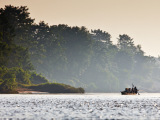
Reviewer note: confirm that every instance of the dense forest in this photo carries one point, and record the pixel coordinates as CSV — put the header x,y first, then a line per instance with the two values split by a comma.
x,y
70,55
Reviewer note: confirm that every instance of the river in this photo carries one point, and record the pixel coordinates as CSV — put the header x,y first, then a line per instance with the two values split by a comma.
x,y
79,106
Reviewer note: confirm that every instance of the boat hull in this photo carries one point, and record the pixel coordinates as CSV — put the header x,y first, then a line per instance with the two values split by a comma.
x,y
124,93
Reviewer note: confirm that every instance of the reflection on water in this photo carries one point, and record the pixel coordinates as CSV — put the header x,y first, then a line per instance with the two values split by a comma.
x,y
85,106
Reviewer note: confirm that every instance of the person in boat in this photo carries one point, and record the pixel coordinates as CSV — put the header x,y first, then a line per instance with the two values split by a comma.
x,y
132,90
135,89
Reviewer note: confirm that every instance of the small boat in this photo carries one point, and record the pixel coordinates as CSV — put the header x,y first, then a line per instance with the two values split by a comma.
x,y
130,91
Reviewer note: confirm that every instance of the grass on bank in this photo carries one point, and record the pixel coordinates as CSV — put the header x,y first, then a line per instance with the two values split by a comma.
x,y
54,88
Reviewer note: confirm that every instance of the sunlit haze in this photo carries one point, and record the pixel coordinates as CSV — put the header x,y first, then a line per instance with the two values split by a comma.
x,y
140,19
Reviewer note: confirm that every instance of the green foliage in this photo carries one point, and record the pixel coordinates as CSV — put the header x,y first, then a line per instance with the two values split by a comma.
x,y
22,76
11,78
8,84
19,57
12,21
37,78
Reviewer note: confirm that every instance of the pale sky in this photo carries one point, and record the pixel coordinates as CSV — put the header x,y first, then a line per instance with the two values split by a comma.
x,y
140,19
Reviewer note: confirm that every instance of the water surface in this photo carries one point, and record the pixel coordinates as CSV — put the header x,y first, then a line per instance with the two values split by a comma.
x,y
79,106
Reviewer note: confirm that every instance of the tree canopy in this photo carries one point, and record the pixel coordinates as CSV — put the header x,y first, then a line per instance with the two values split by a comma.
x,y
72,55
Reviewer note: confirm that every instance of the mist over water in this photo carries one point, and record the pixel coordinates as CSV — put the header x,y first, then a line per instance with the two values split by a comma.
x,y
80,106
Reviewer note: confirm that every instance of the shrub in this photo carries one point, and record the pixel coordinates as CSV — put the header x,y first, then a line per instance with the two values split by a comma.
x,y
22,77
37,78
9,83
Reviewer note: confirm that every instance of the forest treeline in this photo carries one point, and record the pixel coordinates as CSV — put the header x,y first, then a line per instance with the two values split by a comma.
x,y
70,55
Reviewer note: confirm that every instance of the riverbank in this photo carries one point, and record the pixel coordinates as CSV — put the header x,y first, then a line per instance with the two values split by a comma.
x,y
43,88
29,91
55,88
48,88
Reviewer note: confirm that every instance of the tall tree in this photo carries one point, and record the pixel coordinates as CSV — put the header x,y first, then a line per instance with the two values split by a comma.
x,y
124,42
16,56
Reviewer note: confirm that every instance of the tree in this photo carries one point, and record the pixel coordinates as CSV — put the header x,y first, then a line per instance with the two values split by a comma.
x,y
17,19
102,36
13,20
124,42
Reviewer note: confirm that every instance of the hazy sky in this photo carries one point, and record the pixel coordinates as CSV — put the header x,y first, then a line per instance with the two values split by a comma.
x,y
140,19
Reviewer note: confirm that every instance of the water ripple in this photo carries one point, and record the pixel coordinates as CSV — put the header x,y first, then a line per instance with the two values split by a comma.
x,y
79,107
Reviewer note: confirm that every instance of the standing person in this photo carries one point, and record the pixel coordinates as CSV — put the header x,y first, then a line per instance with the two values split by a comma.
x,y
135,89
